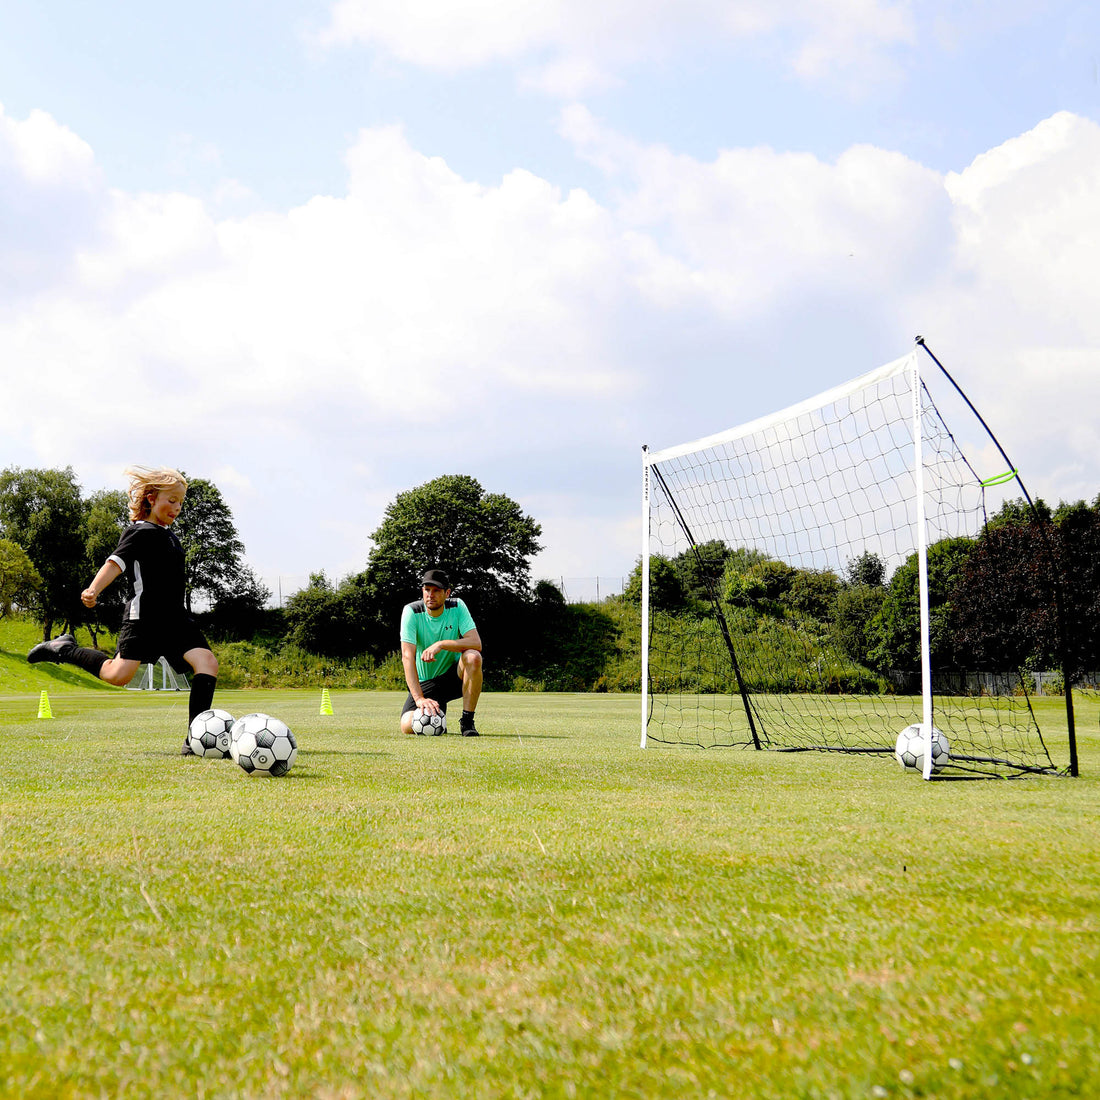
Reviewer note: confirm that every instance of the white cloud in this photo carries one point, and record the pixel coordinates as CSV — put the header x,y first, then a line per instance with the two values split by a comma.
x,y
50,186
304,355
1028,227
754,224
43,153
568,47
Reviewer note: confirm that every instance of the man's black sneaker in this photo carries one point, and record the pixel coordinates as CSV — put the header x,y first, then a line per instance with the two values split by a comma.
x,y
187,750
467,729
54,651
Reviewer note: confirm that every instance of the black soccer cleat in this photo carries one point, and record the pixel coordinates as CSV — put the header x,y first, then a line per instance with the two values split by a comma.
x,y
468,729
187,750
55,652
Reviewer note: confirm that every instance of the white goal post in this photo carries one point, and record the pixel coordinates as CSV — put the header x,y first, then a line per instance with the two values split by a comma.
x,y
159,677
864,471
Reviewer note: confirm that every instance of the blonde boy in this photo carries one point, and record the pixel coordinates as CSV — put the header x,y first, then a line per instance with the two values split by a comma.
x,y
155,622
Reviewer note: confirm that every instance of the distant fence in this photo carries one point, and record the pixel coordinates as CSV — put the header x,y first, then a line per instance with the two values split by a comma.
x,y
588,589
991,683
283,587
574,589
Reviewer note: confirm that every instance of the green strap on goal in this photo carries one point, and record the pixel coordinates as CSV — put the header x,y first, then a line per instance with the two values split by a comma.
x,y
999,479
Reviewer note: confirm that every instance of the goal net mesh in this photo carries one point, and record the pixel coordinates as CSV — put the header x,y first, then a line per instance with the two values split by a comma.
x,y
773,548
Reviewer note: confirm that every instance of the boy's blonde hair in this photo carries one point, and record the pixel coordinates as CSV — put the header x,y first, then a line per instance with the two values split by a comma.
x,y
145,480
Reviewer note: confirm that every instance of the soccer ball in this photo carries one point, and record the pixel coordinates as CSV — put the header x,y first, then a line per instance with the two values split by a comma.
x,y
208,734
262,745
429,725
909,749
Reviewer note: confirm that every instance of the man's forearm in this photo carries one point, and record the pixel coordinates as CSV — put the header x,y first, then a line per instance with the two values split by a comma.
x,y
411,677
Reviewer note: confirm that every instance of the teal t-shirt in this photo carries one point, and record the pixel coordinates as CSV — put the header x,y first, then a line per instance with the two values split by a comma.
x,y
422,629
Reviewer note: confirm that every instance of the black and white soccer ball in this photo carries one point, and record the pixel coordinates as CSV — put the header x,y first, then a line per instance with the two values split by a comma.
x,y
428,725
909,749
262,745
208,734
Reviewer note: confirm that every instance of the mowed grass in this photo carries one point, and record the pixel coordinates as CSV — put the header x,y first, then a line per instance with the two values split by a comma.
x,y
546,911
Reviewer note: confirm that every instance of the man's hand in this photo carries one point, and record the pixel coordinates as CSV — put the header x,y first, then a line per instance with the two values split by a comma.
x,y
429,653
429,706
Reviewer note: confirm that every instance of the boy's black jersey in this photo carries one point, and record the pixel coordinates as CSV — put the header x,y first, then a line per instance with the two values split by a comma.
x,y
152,562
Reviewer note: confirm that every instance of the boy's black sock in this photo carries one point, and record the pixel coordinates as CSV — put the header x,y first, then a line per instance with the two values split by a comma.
x,y
91,660
202,694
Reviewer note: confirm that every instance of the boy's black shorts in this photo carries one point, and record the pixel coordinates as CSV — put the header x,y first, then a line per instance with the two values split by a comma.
x,y
138,641
440,688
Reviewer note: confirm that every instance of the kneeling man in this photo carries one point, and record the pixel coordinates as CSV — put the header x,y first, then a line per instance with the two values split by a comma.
x,y
441,653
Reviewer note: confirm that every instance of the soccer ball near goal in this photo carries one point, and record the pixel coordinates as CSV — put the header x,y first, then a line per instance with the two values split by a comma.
x,y
208,734
909,749
428,725
262,745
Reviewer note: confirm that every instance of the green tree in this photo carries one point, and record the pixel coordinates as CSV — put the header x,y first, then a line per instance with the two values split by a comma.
x,y
213,550
896,627
334,620
1007,609
853,614
753,580
19,580
241,610
41,511
311,615
666,585
1077,542
106,516
482,540
867,569
701,568
813,592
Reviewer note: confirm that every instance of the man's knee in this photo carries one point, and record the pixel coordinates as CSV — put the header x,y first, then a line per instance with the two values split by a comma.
x,y
470,661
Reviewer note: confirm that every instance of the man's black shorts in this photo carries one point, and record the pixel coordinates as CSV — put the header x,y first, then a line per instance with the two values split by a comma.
x,y
440,688
138,641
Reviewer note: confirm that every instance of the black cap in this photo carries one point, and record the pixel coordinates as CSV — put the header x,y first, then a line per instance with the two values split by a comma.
x,y
436,577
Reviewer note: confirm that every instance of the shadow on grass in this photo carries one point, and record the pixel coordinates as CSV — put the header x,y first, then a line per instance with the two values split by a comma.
x,y
527,736
343,752
169,753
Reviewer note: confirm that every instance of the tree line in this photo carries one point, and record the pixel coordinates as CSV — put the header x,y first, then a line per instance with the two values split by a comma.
x,y
1023,594
53,539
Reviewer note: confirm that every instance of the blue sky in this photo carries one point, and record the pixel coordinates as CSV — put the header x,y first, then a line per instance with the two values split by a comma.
x,y
323,252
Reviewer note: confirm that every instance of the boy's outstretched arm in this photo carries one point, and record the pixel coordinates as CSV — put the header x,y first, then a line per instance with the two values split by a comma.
x,y
108,571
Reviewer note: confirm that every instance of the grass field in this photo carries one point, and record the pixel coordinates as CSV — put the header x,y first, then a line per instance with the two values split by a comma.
x,y
547,911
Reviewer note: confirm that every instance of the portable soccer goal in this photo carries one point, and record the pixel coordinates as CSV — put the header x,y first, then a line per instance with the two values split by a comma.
x,y
812,581
160,676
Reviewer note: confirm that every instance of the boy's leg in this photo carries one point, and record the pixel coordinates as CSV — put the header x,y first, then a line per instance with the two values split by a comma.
x,y
205,679
203,682
65,651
